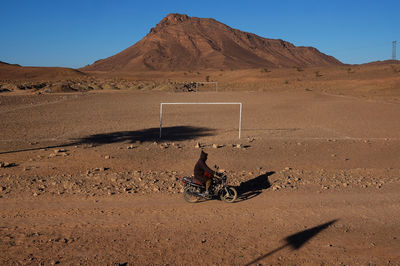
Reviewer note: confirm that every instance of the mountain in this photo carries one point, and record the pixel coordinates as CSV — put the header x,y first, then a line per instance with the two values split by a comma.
x,y
180,42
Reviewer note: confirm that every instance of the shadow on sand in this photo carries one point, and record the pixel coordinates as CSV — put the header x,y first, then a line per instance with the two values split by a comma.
x,y
253,187
177,133
297,240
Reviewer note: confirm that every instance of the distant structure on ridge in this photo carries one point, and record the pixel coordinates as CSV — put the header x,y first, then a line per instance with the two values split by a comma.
x,y
394,50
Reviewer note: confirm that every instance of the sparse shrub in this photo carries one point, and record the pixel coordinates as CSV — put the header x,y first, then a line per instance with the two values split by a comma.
x,y
265,70
350,71
299,69
395,70
318,74
207,78
286,81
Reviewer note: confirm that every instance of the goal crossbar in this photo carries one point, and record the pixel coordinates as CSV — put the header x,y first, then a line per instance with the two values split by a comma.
x,y
215,103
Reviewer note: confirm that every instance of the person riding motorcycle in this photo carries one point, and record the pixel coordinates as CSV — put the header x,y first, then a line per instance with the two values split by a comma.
x,y
203,173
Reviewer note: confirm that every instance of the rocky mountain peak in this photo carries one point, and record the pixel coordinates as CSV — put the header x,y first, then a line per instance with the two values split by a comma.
x,y
175,18
180,42
171,19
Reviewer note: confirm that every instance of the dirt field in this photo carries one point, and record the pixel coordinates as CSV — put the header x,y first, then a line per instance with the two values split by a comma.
x,y
85,179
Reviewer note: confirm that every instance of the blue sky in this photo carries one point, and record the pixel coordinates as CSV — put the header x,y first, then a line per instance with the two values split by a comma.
x,y
72,33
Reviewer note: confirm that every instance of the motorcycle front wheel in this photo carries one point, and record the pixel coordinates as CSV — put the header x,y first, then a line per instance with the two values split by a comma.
x,y
228,194
189,194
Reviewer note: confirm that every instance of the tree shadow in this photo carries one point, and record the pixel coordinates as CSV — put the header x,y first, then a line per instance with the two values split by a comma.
x,y
297,240
253,187
176,133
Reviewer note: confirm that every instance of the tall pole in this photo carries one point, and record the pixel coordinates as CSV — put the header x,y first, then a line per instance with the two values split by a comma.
x,y
240,120
394,50
160,118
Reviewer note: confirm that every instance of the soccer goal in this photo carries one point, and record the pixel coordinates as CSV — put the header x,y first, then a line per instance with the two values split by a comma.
x,y
207,82
220,103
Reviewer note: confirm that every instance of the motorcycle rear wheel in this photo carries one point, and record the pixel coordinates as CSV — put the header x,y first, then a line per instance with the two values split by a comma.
x,y
228,194
188,195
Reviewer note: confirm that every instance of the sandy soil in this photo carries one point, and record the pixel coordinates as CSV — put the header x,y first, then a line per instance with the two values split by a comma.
x,y
376,81
85,179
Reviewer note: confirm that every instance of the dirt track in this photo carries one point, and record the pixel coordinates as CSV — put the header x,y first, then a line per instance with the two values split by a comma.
x,y
164,229
85,181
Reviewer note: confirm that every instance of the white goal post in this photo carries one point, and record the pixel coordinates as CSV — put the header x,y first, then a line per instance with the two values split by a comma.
x,y
240,112
207,82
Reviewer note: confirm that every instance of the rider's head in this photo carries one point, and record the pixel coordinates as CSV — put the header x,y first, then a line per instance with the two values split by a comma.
x,y
203,156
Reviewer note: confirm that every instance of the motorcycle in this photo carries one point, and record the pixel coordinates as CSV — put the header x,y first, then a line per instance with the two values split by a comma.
x,y
194,190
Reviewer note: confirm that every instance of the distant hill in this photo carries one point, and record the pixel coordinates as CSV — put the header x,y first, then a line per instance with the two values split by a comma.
x,y
180,42
4,63
384,62
17,72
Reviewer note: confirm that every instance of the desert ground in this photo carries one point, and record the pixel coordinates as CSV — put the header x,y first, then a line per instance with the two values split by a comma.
x,y
85,179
